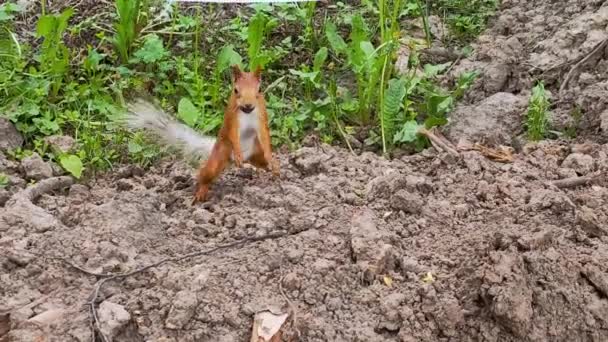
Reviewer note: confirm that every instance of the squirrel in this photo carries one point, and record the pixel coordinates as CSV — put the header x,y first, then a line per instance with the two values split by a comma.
x,y
243,137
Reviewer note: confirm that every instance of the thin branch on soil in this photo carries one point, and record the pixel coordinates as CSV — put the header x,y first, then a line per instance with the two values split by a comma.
x,y
573,182
502,154
597,49
292,307
44,186
91,303
438,142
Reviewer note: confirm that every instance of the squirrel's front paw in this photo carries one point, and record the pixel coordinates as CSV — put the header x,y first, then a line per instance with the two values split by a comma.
x,y
200,195
238,160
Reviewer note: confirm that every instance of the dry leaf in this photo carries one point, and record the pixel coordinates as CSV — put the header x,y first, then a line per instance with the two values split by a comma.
x,y
428,278
388,281
267,326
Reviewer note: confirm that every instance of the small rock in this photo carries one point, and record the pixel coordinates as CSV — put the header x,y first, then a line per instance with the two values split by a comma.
x,y
294,255
597,278
7,165
49,316
604,122
385,185
113,318
418,183
20,258
538,240
496,76
291,281
4,196
124,184
408,202
581,163
57,170
63,143
592,222
493,121
391,326
182,310
406,312
10,138
79,190
16,182
136,171
410,264
35,168
200,280
309,160
393,301
450,316
322,265
369,244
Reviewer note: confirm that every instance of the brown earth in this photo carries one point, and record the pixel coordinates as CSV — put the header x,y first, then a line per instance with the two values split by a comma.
x,y
511,256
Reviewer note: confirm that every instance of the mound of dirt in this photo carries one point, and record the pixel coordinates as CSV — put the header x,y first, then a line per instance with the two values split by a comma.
x,y
427,248
563,43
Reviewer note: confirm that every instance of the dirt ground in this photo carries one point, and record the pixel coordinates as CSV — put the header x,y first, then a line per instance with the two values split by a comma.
x,y
428,247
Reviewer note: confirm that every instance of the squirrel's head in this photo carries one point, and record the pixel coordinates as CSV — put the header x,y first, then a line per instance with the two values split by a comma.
x,y
246,88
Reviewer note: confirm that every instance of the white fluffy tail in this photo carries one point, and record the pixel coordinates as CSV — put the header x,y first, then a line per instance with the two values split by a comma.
x,y
144,115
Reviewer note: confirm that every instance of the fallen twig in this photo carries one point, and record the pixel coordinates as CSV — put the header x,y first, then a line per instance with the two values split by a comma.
x,y
438,142
43,187
502,154
106,277
576,181
292,308
599,47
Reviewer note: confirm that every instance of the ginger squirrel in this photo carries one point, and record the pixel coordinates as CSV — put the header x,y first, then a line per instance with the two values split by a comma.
x,y
243,137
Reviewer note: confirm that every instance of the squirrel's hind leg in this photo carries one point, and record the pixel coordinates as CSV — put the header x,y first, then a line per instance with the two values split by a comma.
x,y
215,164
258,160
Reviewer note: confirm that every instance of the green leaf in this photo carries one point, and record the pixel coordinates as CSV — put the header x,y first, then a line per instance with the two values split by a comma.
x,y
434,70
134,147
152,51
368,51
408,132
304,75
438,105
433,121
4,180
228,57
72,164
187,112
335,41
320,58
359,32
392,104
46,25
394,96
256,32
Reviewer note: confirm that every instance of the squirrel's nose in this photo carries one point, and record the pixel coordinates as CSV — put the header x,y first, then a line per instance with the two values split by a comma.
x,y
247,108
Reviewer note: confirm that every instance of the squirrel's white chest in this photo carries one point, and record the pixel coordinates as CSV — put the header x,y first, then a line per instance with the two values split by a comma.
x,y
248,132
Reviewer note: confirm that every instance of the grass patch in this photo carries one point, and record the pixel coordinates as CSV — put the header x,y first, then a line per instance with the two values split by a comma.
x,y
328,69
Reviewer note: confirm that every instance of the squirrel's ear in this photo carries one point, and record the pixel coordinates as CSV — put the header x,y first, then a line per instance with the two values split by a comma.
x,y
258,72
236,72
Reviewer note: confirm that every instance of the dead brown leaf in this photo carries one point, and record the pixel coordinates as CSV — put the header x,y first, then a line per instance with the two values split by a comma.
x,y
267,326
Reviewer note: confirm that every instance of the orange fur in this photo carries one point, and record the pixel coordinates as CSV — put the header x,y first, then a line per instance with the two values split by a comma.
x,y
245,93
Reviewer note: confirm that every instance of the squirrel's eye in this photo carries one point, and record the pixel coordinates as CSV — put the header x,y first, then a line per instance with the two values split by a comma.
x,y
236,91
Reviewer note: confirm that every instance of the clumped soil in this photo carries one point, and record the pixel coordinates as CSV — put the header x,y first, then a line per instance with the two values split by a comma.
x,y
512,257
562,43
428,247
